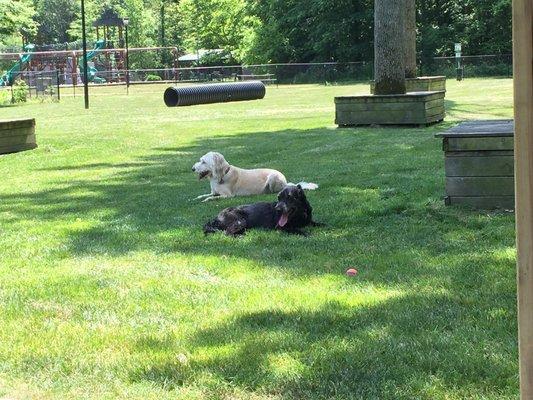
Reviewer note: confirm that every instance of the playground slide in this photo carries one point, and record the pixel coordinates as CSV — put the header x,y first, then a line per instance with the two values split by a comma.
x,y
9,77
91,71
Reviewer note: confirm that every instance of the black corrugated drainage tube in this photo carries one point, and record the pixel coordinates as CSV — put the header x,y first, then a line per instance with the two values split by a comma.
x,y
214,93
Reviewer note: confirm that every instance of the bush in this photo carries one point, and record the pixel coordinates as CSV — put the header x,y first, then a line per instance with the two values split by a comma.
x,y
20,91
151,77
5,97
215,59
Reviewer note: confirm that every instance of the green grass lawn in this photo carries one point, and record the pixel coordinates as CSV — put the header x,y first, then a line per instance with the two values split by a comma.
x,y
108,288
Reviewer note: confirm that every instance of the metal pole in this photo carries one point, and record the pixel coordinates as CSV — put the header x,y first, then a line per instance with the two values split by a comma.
x,y
127,63
57,83
162,17
84,40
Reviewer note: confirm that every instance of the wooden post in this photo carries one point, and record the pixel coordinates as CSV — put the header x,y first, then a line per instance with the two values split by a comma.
x,y
523,106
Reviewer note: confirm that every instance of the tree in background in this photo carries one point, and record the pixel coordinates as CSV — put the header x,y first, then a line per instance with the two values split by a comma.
x,y
389,46
211,24
16,18
410,38
54,18
320,30
143,29
482,26
257,31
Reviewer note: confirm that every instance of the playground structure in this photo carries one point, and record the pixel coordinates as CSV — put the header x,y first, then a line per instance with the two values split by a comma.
x,y
9,77
105,62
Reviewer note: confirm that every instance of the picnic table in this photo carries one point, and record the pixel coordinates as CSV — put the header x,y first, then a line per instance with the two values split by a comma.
x,y
265,78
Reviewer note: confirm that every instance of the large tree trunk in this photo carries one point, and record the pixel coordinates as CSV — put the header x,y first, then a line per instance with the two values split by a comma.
x,y
389,60
410,39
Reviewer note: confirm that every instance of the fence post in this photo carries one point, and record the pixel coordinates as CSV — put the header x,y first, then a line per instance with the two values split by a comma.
x,y
57,83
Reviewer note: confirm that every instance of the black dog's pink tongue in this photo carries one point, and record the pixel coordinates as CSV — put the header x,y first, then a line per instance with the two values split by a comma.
x,y
283,220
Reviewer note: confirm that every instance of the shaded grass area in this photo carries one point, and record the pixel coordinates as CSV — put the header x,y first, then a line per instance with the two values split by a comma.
x,y
108,289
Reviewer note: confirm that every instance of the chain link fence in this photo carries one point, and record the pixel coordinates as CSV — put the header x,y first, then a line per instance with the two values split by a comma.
x,y
48,84
323,73
30,85
472,66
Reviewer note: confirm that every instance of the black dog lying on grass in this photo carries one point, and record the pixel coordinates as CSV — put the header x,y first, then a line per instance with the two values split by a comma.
x,y
291,212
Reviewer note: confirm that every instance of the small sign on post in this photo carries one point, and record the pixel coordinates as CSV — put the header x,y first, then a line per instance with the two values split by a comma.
x,y
458,58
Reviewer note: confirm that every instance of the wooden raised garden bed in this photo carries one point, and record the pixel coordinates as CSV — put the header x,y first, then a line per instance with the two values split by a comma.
x,y
421,84
479,164
17,135
416,108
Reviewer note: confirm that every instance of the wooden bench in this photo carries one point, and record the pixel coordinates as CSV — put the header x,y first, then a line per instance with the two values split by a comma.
x,y
265,78
479,164
17,135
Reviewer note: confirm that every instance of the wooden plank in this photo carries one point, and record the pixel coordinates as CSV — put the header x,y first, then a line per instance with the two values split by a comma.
x,y
381,117
421,84
24,131
523,104
17,123
480,128
396,98
435,110
435,103
12,140
404,106
479,166
480,186
435,118
485,153
360,110
482,202
478,143
17,147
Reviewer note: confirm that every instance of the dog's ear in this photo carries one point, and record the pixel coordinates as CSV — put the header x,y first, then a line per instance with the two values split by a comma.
x,y
299,186
220,165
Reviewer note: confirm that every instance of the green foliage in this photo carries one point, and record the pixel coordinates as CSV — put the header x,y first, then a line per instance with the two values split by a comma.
x,y
54,18
213,24
142,29
20,91
483,27
5,97
332,30
260,31
16,17
152,78
327,30
217,58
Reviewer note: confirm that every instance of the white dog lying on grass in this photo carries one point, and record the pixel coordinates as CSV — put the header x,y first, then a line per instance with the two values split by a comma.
x,y
228,181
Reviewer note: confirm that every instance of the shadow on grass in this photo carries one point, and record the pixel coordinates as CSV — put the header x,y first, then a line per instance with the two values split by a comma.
x,y
451,326
406,347
380,195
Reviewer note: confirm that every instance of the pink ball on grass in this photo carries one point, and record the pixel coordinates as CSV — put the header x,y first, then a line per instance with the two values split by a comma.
x,y
351,272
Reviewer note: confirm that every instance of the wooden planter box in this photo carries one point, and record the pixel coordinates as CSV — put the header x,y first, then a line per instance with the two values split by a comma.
x,y
417,108
421,84
17,135
479,164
